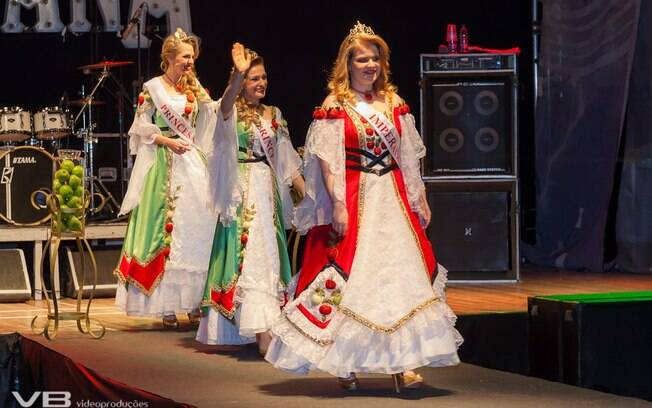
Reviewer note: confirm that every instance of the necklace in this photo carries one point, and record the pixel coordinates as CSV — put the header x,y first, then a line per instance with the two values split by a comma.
x,y
368,95
176,84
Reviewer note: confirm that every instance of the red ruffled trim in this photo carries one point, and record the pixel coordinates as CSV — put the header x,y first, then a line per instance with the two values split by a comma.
x,y
402,109
330,113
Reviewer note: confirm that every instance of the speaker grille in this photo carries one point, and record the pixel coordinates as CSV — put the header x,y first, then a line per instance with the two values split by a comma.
x,y
468,125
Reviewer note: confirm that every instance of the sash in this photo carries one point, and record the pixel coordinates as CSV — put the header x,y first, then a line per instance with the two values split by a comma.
x,y
175,121
383,127
265,136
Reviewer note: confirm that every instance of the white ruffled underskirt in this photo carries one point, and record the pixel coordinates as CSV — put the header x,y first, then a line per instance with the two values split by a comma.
x,y
182,286
168,298
428,339
258,290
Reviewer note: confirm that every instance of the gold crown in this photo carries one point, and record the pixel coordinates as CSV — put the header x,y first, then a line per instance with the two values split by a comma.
x,y
359,29
180,34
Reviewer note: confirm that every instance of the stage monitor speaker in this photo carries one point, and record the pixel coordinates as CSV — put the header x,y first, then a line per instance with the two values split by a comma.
x,y
600,341
474,229
14,279
468,118
106,257
106,166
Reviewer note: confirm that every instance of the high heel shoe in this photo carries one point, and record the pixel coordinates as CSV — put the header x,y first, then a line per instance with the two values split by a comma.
x,y
408,380
170,322
412,380
349,383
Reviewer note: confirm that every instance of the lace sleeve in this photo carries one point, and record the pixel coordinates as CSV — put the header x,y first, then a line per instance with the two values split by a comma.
x,y
288,163
412,150
325,141
222,162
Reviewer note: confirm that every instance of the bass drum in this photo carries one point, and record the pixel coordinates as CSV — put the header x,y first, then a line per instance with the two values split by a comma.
x,y
26,174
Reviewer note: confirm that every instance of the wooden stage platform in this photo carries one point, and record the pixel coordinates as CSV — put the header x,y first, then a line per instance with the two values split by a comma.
x,y
139,354
463,298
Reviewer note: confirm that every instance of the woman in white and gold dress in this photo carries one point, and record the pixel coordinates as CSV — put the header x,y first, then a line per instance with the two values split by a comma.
x,y
370,296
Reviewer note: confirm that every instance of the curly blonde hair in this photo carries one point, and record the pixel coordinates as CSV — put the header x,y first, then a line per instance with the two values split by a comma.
x,y
188,81
339,82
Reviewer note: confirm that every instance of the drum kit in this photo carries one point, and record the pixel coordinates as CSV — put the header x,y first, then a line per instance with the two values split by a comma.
x,y
28,145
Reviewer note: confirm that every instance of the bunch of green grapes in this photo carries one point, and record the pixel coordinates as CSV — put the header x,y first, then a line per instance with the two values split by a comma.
x,y
69,190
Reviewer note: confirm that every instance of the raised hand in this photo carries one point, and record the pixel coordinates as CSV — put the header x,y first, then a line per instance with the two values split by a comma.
x,y
241,58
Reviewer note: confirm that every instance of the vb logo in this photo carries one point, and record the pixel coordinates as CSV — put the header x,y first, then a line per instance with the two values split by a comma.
x,y
51,399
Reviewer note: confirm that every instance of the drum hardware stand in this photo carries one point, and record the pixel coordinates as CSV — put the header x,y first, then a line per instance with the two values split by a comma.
x,y
86,133
54,316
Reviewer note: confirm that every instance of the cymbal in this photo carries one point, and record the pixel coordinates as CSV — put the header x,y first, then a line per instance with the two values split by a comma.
x,y
81,102
106,64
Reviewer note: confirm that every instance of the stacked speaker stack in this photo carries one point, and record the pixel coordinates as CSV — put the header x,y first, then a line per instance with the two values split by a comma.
x,y
469,121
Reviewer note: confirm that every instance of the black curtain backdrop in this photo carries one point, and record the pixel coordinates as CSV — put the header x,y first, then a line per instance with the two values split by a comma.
x,y
633,229
587,51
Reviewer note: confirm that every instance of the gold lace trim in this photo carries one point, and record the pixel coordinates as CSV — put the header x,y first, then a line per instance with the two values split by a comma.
x,y
414,233
304,334
391,329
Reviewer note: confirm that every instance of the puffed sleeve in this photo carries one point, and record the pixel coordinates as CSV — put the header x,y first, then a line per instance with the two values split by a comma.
x,y
325,142
143,130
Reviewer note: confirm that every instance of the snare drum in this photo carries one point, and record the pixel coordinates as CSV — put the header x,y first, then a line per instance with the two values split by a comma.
x,y
15,124
25,176
51,123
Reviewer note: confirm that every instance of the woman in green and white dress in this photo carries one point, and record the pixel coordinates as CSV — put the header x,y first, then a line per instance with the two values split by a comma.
x,y
162,268
252,168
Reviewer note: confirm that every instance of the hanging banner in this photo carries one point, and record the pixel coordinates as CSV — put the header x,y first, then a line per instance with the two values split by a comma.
x,y
48,16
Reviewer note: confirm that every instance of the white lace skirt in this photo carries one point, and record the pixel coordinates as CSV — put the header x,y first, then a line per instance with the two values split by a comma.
x,y
182,286
390,319
258,291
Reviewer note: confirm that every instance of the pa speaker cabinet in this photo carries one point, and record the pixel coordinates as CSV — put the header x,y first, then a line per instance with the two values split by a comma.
x,y
600,341
469,115
14,280
106,258
474,228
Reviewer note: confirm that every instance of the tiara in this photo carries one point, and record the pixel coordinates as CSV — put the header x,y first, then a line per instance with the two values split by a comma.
x,y
359,29
251,52
179,34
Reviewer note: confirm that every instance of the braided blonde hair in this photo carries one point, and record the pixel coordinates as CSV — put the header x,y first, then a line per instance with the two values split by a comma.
x,y
188,82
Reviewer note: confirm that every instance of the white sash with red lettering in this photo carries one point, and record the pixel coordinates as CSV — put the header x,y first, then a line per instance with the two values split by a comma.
x,y
383,127
176,122
266,137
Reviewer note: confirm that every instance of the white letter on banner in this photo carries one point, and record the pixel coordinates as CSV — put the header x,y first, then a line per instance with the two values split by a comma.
x,y
48,19
178,16
109,9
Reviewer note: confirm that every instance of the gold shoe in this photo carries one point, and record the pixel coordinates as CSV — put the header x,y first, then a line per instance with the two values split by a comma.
x,y
170,322
194,316
412,380
349,383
